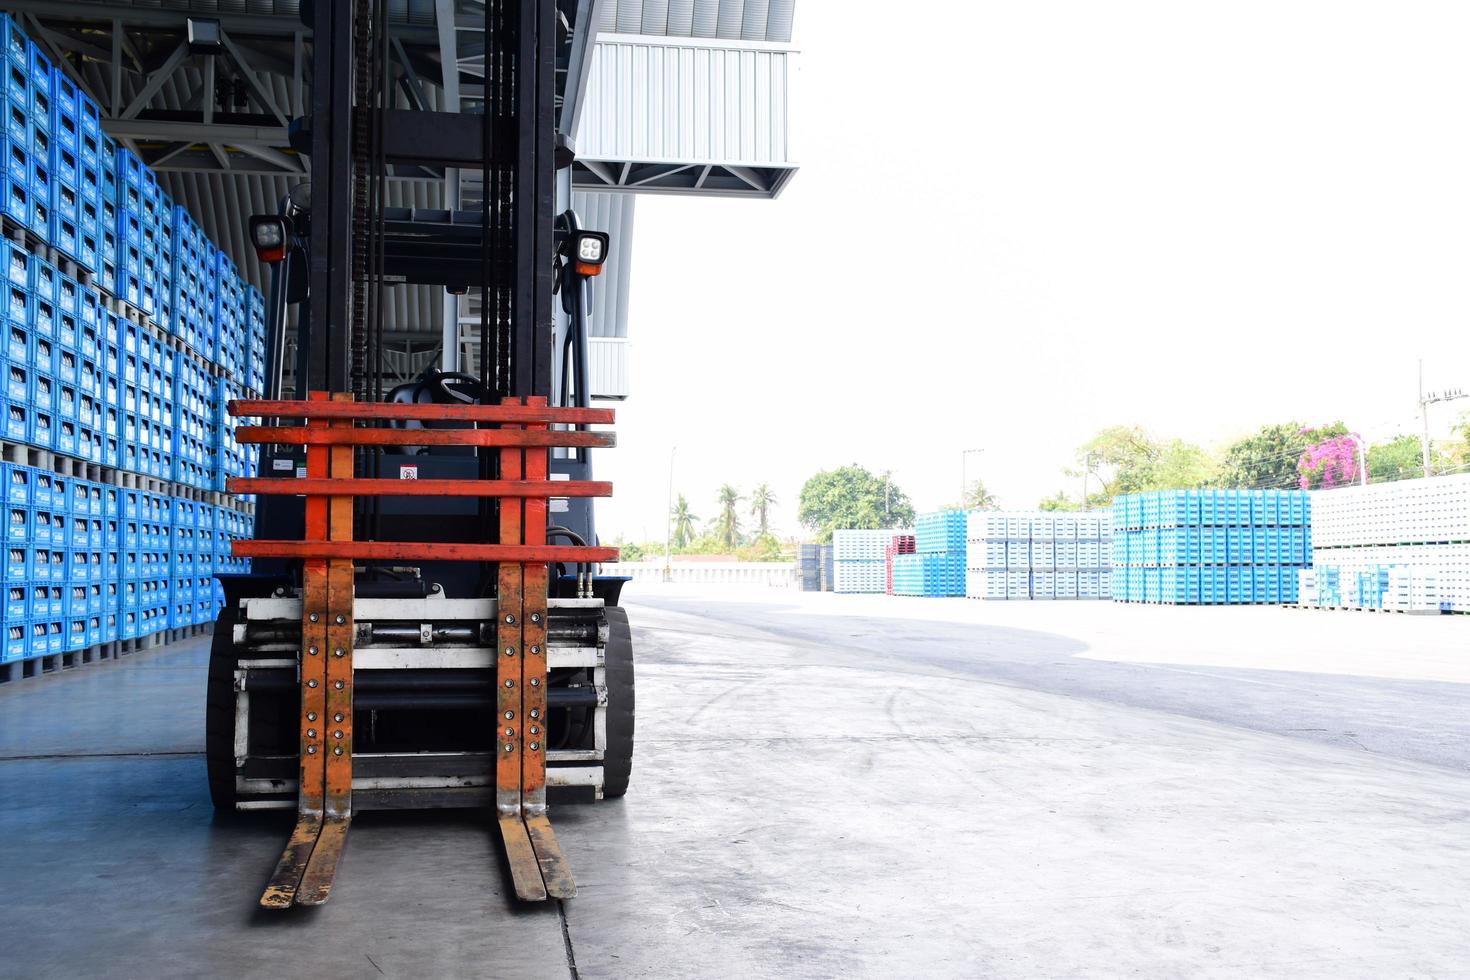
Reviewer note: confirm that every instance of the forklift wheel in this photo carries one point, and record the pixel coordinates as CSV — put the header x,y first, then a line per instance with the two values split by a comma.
x,y
219,713
618,761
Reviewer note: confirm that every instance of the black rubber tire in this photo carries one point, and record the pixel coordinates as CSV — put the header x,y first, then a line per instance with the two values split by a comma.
x,y
219,713
617,764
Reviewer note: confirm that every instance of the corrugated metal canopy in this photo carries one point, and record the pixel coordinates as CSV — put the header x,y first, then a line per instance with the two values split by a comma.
x,y
731,20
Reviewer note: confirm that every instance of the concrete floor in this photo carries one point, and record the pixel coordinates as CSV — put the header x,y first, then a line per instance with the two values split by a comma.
x,y
826,786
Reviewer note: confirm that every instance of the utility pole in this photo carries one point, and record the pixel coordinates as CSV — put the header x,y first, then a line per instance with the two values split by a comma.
x,y
669,520
964,473
1424,414
1362,458
1429,398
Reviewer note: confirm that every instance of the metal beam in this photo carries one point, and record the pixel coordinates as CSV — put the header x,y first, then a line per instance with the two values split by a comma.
x,y
448,53
262,91
168,155
580,64
206,100
255,25
114,105
601,171
270,154
660,174
48,40
412,87
747,175
171,131
155,81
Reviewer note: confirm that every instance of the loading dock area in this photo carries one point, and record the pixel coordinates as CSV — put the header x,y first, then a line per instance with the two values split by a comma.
x,y
827,786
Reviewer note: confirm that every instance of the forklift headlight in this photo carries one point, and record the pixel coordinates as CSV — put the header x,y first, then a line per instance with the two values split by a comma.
x,y
590,248
269,233
589,251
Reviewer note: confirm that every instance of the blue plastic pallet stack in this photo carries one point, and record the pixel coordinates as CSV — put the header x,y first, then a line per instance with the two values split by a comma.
x,y
118,365
254,342
28,82
229,319
87,563
938,567
192,283
1210,547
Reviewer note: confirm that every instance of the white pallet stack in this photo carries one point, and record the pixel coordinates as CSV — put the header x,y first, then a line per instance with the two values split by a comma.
x,y
1422,526
1038,555
858,561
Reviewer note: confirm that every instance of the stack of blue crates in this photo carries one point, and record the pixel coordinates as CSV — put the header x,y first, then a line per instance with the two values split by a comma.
x,y
122,369
191,283
254,341
107,238
229,319
28,78
938,568
234,459
196,453
1210,547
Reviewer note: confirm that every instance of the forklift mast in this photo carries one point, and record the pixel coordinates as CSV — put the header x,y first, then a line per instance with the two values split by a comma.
x,y
405,570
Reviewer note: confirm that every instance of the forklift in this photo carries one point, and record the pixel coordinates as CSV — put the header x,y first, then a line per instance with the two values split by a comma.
x,y
420,627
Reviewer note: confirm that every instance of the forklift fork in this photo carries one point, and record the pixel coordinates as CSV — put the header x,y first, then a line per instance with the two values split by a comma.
x,y
538,868
308,866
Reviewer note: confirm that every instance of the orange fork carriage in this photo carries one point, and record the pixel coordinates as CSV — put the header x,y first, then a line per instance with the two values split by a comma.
x,y
522,438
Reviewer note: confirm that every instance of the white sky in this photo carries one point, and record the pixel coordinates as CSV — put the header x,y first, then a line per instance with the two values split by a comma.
x,y
1016,223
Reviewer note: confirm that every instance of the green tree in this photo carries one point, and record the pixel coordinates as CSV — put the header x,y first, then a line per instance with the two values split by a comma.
x,y
727,525
852,497
1060,501
761,501
629,551
1265,459
765,547
1126,459
1401,458
1456,451
978,498
683,520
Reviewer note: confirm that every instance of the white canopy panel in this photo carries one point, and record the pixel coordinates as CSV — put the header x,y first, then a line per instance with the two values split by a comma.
x,y
686,115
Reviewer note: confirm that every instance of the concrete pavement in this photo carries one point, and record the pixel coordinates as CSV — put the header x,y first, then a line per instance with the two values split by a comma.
x,y
826,786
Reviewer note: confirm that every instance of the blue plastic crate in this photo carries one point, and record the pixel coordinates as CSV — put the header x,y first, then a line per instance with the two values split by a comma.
x,y
18,84
65,142
40,68
16,203
18,484
17,159
17,606
89,143
19,563
17,639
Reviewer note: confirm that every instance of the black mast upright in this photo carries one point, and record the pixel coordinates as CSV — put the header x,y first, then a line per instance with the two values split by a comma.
x,y
329,359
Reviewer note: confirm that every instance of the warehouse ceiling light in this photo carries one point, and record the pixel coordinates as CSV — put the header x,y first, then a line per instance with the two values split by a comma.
x,y
205,36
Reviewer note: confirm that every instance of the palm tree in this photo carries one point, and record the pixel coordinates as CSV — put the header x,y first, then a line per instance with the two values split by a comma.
x,y
761,500
727,525
683,523
978,498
